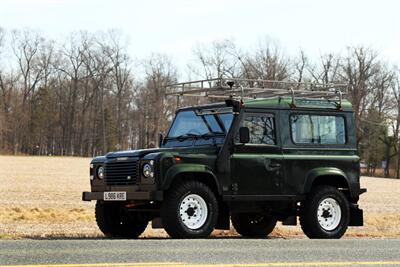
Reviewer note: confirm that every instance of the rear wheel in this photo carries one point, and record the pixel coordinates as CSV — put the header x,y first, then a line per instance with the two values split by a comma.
x,y
325,213
114,221
253,224
190,210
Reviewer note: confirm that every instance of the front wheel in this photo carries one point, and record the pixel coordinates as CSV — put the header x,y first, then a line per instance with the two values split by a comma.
x,y
190,210
325,213
253,224
114,221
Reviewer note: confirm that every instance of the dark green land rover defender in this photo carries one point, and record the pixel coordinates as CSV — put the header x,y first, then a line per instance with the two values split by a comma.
x,y
249,160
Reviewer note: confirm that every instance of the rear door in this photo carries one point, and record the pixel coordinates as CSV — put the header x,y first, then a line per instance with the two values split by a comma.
x,y
256,166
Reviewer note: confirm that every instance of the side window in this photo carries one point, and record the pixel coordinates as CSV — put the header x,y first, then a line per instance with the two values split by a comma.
x,y
261,127
317,129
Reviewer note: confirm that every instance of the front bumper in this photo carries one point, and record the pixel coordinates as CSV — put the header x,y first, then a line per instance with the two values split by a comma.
x,y
138,195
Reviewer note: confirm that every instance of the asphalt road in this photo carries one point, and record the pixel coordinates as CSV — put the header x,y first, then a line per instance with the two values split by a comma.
x,y
225,252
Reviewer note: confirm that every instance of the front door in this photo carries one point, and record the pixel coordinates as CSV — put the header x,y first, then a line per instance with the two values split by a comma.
x,y
257,165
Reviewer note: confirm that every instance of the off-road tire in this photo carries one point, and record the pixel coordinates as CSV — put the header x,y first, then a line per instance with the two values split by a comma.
x,y
115,222
309,213
171,210
253,225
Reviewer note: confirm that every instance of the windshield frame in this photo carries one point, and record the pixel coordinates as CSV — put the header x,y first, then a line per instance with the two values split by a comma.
x,y
202,112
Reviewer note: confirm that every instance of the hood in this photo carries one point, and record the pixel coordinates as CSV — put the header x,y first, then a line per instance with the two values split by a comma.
x,y
143,152
135,153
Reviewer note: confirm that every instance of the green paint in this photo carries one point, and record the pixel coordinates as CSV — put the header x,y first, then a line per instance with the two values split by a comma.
x,y
321,157
257,156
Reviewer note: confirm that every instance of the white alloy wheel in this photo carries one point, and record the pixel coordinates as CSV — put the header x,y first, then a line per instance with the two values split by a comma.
x,y
329,214
193,211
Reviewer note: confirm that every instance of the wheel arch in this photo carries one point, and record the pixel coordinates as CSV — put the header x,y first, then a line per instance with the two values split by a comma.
x,y
327,176
199,172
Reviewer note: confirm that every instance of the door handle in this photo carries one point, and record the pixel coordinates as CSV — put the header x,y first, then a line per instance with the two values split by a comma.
x,y
272,166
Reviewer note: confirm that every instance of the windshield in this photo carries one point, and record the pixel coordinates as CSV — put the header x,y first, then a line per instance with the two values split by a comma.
x,y
200,124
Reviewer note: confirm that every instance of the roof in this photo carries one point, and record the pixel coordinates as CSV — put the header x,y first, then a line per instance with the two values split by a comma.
x,y
286,102
283,103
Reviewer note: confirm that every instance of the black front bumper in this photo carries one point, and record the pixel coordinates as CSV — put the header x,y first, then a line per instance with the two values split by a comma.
x,y
138,195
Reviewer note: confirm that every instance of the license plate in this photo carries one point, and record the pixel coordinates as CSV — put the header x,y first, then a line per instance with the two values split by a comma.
x,y
114,196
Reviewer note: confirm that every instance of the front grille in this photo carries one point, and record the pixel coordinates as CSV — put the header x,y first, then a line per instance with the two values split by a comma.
x,y
121,172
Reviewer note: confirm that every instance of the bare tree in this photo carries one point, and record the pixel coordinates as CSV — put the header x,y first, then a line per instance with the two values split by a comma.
x,y
300,66
215,60
268,62
8,82
99,68
121,76
382,102
360,65
26,46
327,70
159,72
396,118
71,65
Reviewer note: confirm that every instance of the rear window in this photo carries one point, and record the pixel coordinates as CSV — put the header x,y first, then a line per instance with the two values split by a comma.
x,y
317,129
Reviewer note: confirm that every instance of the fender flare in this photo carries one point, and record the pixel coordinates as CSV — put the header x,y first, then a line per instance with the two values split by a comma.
x,y
183,168
325,171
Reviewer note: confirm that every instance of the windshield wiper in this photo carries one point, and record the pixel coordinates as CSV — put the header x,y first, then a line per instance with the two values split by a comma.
x,y
211,134
206,136
182,137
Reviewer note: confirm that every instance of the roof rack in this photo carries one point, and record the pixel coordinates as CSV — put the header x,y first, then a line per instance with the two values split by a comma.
x,y
238,88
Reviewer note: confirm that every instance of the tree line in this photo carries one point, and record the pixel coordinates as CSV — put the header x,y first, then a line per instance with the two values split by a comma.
x,y
85,95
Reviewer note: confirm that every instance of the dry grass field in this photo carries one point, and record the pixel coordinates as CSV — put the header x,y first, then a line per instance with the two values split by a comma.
x,y
40,197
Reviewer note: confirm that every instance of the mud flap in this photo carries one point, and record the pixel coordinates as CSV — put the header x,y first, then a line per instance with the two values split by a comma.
x,y
223,222
356,216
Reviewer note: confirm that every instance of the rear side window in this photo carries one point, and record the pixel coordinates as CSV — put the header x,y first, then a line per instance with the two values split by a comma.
x,y
318,129
261,127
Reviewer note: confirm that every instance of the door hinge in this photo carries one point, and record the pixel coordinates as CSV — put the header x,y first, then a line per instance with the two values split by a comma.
x,y
235,187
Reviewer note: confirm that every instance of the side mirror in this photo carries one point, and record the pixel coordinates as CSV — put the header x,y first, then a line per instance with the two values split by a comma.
x,y
244,135
160,139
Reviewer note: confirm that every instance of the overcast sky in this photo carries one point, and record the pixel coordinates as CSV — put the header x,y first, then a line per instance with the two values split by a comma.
x,y
174,27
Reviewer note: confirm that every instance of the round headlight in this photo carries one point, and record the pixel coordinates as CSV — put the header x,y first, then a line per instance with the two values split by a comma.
x,y
148,170
100,172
